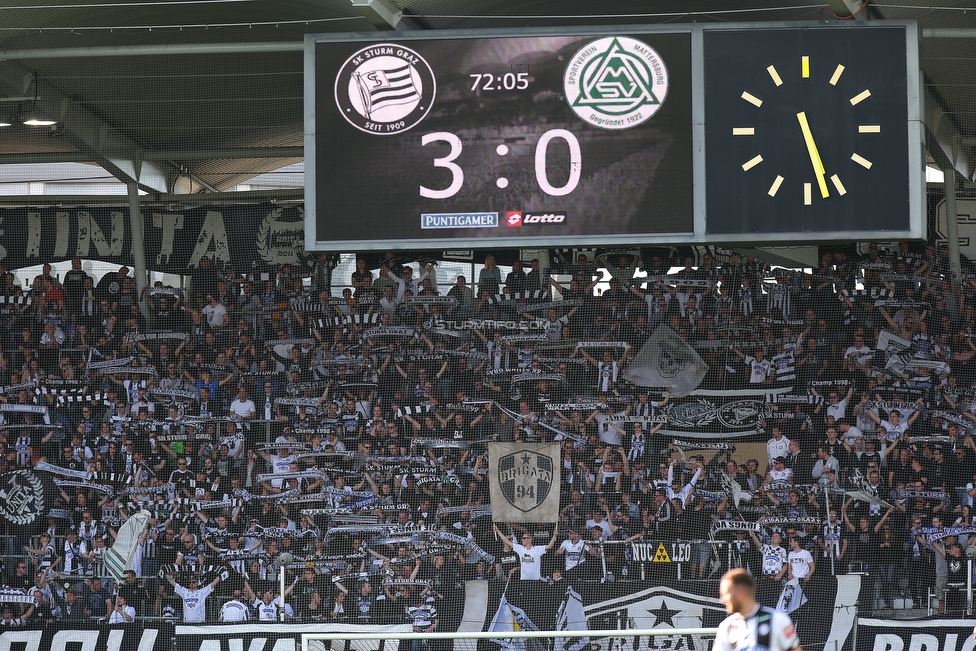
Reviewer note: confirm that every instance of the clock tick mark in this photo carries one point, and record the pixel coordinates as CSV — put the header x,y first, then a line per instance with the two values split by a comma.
x,y
752,162
860,97
501,150
861,160
502,182
774,188
807,194
841,190
743,131
752,99
774,75
869,128
834,78
805,67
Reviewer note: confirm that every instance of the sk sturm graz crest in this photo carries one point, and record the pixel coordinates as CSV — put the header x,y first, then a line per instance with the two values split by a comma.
x,y
23,499
525,478
616,82
385,89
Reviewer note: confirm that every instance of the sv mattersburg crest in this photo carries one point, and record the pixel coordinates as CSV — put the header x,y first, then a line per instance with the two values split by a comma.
x,y
385,89
616,82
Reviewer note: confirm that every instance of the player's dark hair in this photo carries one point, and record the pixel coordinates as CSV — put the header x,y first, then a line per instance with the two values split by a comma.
x,y
739,578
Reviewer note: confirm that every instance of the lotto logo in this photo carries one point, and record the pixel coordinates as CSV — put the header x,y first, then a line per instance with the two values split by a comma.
x,y
516,218
543,218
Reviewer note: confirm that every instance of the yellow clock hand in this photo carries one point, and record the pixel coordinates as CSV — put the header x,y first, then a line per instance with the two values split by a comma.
x,y
818,167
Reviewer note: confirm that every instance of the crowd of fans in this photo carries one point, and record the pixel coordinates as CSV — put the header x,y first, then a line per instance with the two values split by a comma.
x,y
277,421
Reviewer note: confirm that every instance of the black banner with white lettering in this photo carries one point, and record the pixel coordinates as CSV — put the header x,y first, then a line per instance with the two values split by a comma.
x,y
175,240
271,636
914,635
89,636
661,601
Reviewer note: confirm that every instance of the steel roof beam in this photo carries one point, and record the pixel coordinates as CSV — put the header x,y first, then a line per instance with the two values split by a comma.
x,y
91,135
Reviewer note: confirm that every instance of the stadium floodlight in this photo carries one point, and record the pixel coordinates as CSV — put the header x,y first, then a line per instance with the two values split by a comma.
x,y
382,9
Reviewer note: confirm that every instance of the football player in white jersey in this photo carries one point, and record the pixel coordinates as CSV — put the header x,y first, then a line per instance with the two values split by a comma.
x,y
749,626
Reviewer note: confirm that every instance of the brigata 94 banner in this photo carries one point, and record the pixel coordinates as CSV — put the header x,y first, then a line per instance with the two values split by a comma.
x,y
499,141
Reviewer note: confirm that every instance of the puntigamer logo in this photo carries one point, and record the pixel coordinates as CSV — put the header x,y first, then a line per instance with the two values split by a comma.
x,y
385,89
459,220
616,82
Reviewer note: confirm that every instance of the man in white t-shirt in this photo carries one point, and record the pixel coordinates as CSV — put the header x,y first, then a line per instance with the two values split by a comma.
x,y
760,368
122,613
778,446
894,425
836,405
194,598
801,565
280,463
779,473
575,550
553,326
215,312
850,432
235,610
267,607
597,520
530,556
858,355
243,407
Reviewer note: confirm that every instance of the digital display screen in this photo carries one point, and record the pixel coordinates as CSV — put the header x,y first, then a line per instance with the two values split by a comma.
x,y
669,134
804,135
498,141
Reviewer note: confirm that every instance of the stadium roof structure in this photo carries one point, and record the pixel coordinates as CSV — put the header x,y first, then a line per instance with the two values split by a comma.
x,y
197,96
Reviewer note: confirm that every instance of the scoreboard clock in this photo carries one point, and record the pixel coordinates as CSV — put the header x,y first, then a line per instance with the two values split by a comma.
x,y
629,136
808,131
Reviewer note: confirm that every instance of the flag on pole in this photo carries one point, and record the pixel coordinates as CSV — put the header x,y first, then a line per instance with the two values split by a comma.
x,y
119,557
508,619
570,617
792,597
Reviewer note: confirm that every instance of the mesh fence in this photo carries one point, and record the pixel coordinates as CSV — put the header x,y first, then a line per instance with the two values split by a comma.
x,y
323,425
328,423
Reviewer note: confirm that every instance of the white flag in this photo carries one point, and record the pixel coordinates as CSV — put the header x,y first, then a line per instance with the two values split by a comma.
x,y
570,617
667,360
119,557
508,619
792,597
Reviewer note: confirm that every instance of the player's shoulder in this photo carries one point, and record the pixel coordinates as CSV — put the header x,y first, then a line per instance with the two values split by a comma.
x,y
783,625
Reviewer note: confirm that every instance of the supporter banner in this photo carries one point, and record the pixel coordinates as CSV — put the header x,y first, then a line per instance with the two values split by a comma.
x,y
525,482
278,637
713,417
914,635
25,499
825,621
175,241
89,636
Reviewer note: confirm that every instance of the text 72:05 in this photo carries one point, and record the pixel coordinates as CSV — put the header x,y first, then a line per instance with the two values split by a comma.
x,y
507,81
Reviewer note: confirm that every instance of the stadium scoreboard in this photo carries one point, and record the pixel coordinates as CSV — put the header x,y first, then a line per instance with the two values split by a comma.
x,y
730,133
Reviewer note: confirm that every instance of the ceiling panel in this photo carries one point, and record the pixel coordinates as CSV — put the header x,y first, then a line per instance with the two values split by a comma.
x,y
196,102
